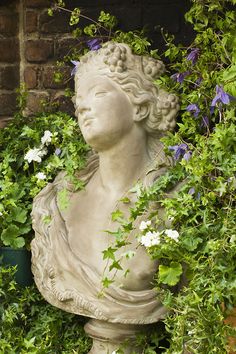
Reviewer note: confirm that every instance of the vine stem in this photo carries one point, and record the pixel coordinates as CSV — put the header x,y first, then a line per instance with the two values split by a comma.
x,y
86,18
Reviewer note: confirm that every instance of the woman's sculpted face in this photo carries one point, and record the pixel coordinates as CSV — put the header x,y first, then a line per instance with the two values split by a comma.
x,y
104,111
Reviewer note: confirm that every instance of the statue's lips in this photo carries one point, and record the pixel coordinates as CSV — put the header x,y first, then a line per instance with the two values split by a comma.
x,y
87,120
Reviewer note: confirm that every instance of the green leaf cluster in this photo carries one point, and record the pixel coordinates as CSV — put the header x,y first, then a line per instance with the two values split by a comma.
x,y
29,325
18,177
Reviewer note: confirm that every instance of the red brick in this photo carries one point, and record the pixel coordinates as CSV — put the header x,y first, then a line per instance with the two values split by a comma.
x,y
48,77
39,50
8,23
9,77
63,103
7,104
4,121
31,21
37,3
35,102
9,49
58,23
31,77
63,47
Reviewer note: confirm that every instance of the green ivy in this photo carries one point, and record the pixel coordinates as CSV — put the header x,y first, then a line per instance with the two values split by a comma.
x,y
21,180
29,325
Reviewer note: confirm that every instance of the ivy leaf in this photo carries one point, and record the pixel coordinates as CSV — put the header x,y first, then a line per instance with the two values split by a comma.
x,y
116,215
109,253
106,282
63,199
115,265
170,275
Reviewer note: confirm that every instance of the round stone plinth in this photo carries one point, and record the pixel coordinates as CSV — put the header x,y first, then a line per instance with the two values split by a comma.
x,y
109,337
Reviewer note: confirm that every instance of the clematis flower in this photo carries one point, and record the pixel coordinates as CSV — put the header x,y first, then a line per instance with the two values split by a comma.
x,y
220,97
35,155
198,81
144,225
41,175
76,64
173,234
205,122
191,191
58,151
193,55
181,150
46,138
94,44
179,77
193,108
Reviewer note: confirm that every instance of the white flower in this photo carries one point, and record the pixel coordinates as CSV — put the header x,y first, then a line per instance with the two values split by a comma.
x,y
144,225
1,214
114,352
47,137
41,175
35,155
173,234
150,239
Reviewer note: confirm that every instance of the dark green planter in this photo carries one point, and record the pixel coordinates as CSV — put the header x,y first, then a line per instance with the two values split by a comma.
x,y
20,257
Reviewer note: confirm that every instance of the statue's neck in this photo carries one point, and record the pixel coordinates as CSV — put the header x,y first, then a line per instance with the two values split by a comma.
x,y
122,165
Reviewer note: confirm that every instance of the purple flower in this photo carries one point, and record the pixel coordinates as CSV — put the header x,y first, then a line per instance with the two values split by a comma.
x,y
191,191
187,155
94,44
179,77
193,55
198,81
57,151
181,151
76,64
205,122
193,108
221,97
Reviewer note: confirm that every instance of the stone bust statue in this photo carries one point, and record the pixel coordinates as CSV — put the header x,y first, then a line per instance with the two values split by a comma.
x,y
122,115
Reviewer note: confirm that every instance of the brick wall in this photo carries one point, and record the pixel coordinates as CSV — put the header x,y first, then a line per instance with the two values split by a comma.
x,y
31,42
9,59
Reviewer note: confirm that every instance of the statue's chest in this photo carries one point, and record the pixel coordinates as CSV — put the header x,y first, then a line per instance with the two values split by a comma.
x,y
87,220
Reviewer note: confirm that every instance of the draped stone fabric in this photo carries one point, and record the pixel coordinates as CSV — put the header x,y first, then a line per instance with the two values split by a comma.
x,y
73,285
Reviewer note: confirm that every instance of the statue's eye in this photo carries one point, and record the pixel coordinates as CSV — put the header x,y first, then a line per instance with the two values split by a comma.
x,y
100,93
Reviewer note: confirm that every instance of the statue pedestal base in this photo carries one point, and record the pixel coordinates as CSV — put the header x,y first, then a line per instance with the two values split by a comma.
x,y
109,337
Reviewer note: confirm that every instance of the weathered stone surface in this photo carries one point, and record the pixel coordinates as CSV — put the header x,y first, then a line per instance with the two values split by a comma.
x,y
39,50
63,47
9,77
9,49
37,3
8,23
58,23
62,103
31,21
36,102
7,104
124,128
31,77
48,76
4,121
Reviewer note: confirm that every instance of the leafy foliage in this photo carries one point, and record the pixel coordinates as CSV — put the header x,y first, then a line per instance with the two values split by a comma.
x,y
29,325
22,178
202,261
